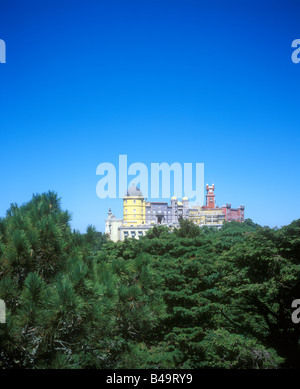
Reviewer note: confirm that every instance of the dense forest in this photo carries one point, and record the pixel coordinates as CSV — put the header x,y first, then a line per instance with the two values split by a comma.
x,y
191,298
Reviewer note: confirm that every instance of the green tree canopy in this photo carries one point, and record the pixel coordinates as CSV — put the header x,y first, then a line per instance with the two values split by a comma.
x,y
185,298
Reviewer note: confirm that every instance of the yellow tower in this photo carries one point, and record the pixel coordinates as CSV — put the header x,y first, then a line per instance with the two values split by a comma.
x,y
133,207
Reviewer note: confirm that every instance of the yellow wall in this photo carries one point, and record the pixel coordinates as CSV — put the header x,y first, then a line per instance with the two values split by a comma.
x,y
206,216
133,211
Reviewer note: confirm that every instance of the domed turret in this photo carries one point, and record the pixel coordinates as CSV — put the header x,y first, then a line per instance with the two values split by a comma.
x,y
134,206
134,191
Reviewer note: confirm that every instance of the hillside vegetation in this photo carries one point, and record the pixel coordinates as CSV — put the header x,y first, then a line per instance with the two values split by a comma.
x,y
193,298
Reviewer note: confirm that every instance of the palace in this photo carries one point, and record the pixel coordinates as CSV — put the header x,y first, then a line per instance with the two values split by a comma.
x,y
139,215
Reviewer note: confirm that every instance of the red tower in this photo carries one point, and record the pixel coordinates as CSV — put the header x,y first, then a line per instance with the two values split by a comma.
x,y
210,196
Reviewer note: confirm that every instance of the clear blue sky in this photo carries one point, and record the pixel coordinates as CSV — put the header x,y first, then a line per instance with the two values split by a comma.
x,y
160,81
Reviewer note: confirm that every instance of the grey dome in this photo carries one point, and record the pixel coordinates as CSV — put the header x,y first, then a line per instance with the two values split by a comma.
x,y
134,191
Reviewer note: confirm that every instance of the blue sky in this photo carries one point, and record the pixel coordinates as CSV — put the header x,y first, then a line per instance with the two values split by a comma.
x,y
157,80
